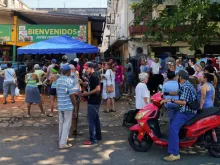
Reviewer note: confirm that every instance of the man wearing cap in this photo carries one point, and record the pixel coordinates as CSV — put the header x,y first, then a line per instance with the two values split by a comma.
x,y
66,103
94,100
64,61
50,73
187,94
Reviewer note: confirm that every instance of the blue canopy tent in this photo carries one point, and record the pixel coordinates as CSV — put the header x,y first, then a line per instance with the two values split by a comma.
x,y
58,45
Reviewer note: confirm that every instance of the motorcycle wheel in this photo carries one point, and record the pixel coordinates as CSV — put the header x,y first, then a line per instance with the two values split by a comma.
x,y
215,150
139,146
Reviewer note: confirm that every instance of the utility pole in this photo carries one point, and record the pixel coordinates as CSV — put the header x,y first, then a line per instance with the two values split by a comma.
x,y
38,3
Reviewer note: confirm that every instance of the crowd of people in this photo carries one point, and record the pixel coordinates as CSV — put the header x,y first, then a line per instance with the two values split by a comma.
x,y
67,82
186,90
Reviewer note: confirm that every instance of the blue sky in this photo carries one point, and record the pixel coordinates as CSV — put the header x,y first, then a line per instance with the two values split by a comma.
x,y
68,3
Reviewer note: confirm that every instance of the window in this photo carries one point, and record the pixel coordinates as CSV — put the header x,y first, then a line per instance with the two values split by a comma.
x,y
170,10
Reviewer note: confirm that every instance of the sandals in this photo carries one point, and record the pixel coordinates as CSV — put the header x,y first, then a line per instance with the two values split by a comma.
x,y
65,146
105,111
50,115
11,102
43,114
111,110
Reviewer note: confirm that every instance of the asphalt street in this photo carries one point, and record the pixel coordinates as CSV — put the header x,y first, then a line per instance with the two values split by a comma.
x,y
39,146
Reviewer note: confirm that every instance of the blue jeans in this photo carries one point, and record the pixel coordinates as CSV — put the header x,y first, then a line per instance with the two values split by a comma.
x,y
177,122
94,123
117,90
171,109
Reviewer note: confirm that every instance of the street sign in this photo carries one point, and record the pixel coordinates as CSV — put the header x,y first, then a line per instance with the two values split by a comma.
x,y
36,33
5,33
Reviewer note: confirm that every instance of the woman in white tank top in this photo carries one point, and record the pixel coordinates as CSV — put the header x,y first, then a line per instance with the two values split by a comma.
x,y
10,83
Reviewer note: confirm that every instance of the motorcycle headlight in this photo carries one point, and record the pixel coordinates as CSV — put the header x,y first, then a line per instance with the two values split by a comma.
x,y
140,115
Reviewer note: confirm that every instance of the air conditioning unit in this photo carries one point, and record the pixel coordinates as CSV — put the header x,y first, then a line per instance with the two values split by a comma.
x,y
139,51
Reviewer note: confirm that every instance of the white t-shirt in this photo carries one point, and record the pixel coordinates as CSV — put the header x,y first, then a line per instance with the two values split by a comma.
x,y
155,67
141,93
9,74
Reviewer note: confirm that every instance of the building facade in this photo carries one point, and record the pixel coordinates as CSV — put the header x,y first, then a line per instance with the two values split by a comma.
x,y
17,4
123,39
81,11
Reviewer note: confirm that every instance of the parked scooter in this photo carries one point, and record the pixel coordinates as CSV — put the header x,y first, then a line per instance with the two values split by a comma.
x,y
202,130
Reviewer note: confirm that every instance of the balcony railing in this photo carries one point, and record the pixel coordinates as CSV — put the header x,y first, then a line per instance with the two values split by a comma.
x,y
141,29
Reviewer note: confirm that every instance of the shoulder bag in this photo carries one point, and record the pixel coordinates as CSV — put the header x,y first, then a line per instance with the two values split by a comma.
x,y
109,88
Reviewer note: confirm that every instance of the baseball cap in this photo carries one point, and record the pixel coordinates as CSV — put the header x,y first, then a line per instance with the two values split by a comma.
x,y
54,61
183,74
36,66
64,57
76,60
66,68
88,65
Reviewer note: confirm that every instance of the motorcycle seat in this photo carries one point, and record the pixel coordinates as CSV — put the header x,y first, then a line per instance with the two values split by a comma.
x,y
203,114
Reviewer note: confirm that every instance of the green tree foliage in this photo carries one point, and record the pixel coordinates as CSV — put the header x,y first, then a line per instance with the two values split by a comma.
x,y
197,20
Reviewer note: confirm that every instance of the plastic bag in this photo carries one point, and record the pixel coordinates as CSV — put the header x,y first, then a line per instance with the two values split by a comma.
x,y
17,91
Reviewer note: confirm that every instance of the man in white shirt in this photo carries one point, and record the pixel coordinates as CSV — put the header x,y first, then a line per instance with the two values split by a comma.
x,y
156,78
155,66
64,61
142,92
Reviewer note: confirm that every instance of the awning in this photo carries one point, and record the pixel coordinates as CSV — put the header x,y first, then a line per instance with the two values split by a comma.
x,y
116,44
58,45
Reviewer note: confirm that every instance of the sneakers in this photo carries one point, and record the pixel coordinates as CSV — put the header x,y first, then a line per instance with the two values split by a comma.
x,y
171,158
88,143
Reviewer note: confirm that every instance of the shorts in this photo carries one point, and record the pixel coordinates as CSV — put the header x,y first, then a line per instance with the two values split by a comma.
x,y
129,79
53,92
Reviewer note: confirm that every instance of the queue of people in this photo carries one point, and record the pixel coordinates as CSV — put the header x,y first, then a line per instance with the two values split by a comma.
x,y
95,82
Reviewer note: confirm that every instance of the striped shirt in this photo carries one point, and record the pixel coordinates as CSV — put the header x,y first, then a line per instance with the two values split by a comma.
x,y
65,88
30,82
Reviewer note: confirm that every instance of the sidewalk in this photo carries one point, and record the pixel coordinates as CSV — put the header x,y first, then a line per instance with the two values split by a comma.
x,y
13,115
